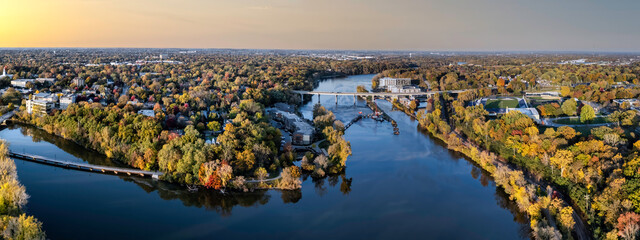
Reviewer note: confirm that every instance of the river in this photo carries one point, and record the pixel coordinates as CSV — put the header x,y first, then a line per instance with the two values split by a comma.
x,y
405,186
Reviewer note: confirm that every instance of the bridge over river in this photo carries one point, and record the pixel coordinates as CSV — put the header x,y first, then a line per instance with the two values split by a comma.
x,y
85,166
375,94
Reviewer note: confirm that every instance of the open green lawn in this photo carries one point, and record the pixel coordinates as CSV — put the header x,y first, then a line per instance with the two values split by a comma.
x,y
501,103
574,121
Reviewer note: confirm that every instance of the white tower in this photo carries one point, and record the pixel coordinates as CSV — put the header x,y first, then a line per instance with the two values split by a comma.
x,y
4,71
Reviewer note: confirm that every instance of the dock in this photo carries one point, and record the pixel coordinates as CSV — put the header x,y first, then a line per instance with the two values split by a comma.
x,y
86,166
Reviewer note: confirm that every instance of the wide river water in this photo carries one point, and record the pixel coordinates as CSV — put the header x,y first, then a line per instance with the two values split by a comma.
x,y
405,186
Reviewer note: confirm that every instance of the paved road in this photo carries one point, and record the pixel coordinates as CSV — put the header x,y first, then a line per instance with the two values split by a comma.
x,y
266,180
7,116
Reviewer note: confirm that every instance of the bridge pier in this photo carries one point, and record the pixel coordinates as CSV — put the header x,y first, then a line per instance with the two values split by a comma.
x,y
318,97
336,99
355,100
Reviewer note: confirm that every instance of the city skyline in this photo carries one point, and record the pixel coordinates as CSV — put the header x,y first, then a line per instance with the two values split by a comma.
x,y
491,25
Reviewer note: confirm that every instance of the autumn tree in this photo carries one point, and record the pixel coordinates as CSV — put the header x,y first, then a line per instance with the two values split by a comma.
x,y
290,179
569,107
562,159
587,113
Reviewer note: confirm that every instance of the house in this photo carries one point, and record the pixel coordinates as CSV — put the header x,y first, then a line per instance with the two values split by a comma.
x,y
303,135
633,103
22,83
596,107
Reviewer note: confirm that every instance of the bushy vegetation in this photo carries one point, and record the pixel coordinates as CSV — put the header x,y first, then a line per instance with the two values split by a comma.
x,y
339,149
14,223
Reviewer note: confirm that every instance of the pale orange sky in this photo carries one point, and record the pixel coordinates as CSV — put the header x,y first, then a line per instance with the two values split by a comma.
x,y
324,24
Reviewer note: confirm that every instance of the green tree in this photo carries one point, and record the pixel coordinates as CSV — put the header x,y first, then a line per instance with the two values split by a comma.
x,y
213,126
587,113
570,107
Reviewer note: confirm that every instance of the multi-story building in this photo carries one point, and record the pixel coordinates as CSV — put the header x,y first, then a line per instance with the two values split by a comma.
x,y
404,89
39,107
22,83
66,100
49,97
302,131
387,81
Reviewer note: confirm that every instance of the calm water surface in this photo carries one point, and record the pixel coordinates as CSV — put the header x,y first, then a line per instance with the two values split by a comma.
x,y
406,187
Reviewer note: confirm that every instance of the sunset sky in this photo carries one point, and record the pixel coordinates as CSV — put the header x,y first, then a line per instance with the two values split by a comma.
x,y
593,25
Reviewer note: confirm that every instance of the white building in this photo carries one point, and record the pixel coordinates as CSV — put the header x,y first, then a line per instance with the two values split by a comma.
x,y
404,89
634,103
22,83
67,100
48,97
4,73
387,81
42,103
147,112
39,106
46,80
530,112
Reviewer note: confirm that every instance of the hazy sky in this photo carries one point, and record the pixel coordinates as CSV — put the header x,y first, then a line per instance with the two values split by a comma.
x,y
597,25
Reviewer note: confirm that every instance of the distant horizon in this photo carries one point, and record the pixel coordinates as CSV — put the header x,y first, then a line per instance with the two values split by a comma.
x,y
338,50
377,25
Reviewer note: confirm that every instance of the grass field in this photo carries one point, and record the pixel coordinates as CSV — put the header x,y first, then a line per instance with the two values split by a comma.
x,y
575,121
501,103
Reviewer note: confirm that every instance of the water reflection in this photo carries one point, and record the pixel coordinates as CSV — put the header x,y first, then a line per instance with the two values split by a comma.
x,y
224,203
405,186
77,152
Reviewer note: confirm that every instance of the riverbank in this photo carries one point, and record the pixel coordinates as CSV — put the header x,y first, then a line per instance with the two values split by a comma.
x,y
529,201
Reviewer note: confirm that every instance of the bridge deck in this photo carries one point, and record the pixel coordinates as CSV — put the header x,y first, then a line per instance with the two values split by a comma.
x,y
377,93
85,166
